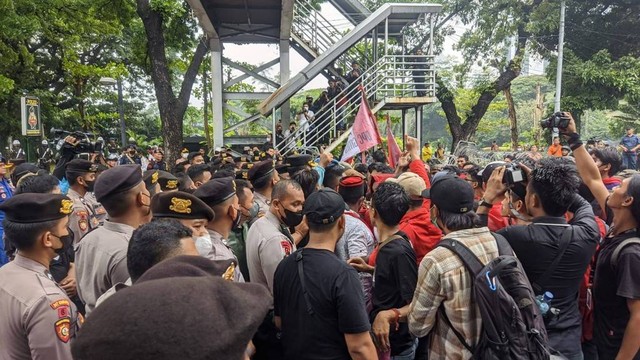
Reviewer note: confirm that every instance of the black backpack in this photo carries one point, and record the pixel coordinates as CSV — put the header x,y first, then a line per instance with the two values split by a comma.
x,y
512,326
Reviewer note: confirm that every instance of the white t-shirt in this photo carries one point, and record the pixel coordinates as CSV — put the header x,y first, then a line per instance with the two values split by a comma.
x,y
304,119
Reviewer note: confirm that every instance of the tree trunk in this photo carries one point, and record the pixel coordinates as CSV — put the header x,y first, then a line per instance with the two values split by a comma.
x,y
465,131
172,107
513,121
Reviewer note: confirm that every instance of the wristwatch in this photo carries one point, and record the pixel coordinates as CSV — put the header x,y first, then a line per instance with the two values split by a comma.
x,y
485,203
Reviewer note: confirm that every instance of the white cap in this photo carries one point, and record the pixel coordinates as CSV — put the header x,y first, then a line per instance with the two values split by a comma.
x,y
45,142
16,142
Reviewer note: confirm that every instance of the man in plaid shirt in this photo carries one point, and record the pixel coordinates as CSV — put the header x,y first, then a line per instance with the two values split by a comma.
x,y
443,281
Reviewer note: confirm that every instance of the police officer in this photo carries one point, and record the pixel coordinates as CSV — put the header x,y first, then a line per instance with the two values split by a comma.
x,y
188,210
81,175
39,319
101,255
220,195
263,177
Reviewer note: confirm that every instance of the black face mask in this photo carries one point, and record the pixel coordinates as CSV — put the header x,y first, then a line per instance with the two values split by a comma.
x,y
292,219
237,221
66,241
90,185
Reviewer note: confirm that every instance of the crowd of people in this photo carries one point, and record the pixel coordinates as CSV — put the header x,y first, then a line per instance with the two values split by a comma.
x,y
238,256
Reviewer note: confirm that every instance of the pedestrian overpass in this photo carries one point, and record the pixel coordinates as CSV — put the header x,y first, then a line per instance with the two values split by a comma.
x,y
393,78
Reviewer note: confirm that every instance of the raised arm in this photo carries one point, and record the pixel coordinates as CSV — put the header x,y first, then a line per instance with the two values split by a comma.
x,y
586,166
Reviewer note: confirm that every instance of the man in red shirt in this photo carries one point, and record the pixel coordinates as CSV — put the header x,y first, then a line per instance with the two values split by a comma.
x,y
416,223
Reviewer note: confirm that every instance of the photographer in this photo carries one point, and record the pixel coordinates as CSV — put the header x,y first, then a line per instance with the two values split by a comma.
x,y
616,288
305,119
553,253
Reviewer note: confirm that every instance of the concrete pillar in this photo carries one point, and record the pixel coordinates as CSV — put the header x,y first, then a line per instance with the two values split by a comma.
x,y
419,124
285,73
216,92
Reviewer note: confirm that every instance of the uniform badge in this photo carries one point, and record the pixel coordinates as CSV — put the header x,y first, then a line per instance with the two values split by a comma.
x,y
172,184
286,247
181,206
67,207
154,177
230,272
83,225
63,329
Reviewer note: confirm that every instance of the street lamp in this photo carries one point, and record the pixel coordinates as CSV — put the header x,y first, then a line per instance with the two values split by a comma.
x,y
108,81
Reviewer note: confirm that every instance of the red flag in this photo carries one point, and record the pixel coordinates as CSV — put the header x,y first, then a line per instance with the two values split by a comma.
x,y
392,146
364,133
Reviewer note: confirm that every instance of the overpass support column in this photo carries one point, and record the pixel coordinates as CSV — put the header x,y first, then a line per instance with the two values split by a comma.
x,y
216,91
285,73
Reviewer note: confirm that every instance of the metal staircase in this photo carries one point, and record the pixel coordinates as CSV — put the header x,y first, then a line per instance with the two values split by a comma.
x,y
312,34
393,81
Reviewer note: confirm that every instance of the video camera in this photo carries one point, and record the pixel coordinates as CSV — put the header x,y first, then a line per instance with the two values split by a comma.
x,y
557,120
513,174
85,145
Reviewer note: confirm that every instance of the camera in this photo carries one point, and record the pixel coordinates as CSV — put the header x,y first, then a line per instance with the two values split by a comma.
x,y
85,145
557,120
513,174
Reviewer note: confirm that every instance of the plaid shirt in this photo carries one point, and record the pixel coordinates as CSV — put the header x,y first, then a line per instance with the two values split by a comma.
x,y
444,281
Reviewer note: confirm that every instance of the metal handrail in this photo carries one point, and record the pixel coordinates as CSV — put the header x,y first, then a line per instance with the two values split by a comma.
x,y
394,76
318,32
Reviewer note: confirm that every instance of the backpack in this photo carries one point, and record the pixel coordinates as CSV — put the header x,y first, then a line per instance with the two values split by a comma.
x,y
512,326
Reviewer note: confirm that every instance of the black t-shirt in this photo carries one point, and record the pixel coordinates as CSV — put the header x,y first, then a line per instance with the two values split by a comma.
x,y
613,286
394,282
536,246
336,297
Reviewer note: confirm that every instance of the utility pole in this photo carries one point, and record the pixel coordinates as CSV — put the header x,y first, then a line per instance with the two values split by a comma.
x,y
556,106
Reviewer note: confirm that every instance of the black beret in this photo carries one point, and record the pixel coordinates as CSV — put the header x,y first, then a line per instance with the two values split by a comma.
x,y
29,208
116,180
282,168
142,320
22,170
180,205
150,178
167,181
261,169
216,191
190,265
299,160
324,206
242,174
80,166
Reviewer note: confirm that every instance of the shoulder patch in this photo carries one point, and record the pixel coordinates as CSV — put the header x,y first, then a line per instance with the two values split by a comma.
x,y
286,247
63,329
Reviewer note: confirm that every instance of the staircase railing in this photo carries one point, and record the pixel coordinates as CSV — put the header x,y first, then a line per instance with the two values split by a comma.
x,y
390,78
319,34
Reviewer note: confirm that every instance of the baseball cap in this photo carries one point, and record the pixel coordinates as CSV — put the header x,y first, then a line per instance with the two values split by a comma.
x,y
412,183
452,194
324,207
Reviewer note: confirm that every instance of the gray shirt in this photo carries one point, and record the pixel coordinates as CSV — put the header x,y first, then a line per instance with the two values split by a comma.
x,y
38,318
267,245
221,251
101,261
83,217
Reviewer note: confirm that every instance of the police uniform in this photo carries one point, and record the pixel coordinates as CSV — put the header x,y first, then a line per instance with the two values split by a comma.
x,y
83,218
101,257
259,170
98,210
39,320
214,192
268,242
